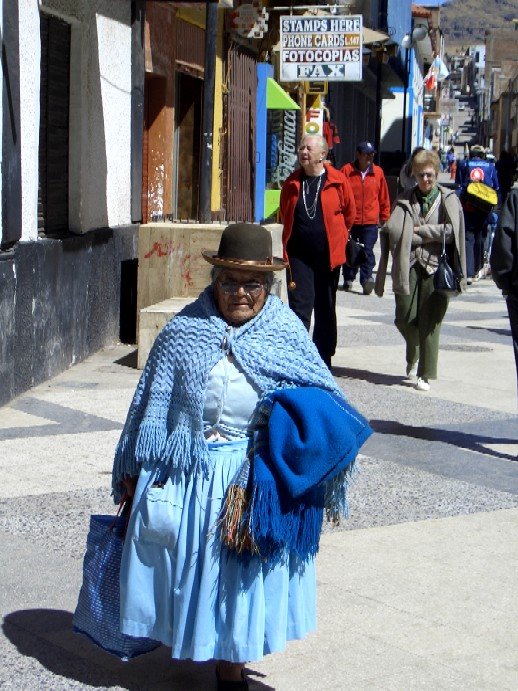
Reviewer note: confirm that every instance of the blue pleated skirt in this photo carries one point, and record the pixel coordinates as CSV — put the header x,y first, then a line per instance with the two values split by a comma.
x,y
181,586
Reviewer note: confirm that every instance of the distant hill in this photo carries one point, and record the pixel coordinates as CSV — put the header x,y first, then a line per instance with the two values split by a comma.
x,y
465,22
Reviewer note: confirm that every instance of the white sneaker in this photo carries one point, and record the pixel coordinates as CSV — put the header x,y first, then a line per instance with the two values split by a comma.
x,y
411,370
422,384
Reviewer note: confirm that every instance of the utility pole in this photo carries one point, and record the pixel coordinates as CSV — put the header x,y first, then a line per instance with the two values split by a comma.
x,y
405,91
382,26
211,18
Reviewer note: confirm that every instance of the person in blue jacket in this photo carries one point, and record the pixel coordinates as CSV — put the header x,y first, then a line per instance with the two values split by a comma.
x,y
475,169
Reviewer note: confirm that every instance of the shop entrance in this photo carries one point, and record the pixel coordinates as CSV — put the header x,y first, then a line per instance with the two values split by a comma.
x,y
188,121
154,148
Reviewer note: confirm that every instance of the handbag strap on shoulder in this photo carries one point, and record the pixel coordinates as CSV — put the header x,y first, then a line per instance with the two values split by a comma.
x,y
443,234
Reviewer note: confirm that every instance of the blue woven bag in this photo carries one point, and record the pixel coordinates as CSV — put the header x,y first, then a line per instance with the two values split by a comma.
x,y
97,613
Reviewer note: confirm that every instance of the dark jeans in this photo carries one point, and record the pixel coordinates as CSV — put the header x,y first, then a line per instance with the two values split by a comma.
x,y
315,292
512,308
475,234
368,236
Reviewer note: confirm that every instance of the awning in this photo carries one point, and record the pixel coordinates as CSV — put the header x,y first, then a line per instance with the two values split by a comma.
x,y
370,36
277,98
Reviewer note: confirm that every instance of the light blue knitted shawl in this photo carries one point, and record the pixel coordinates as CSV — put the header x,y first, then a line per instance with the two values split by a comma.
x,y
164,423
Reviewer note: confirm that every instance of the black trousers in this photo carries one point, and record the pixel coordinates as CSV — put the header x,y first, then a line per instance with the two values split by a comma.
x,y
512,308
315,292
368,236
475,235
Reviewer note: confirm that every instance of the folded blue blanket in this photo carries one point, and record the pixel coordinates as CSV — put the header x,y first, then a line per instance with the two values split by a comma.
x,y
300,466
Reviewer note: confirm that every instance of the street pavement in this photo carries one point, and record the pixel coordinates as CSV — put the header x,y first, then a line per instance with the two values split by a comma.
x,y
417,590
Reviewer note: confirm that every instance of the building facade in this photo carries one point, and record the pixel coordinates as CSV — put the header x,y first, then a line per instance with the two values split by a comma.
x,y
68,237
104,127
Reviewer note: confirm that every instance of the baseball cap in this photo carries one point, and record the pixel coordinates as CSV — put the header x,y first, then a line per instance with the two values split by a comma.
x,y
366,148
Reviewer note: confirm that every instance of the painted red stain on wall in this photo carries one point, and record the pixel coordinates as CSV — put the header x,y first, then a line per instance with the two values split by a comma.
x,y
186,269
161,249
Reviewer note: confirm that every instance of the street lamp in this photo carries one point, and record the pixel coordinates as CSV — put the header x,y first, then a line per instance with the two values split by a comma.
x,y
408,42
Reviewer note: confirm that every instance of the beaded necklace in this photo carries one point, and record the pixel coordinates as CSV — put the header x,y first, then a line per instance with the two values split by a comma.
x,y
311,210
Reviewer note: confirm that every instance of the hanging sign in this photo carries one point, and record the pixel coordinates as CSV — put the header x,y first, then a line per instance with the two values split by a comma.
x,y
315,87
321,48
314,122
249,20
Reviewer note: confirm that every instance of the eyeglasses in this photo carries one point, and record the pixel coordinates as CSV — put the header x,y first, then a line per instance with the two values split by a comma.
x,y
251,288
425,175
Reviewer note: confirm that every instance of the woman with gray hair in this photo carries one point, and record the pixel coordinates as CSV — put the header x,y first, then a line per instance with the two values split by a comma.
x,y
413,235
407,180
317,210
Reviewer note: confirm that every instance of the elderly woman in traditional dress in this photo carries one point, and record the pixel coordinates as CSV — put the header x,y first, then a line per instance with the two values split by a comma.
x,y
413,234
194,576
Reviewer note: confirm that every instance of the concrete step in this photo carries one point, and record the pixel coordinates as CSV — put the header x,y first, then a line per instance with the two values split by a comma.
x,y
152,321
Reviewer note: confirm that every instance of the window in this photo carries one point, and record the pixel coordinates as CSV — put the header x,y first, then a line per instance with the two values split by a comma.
x,y
54,126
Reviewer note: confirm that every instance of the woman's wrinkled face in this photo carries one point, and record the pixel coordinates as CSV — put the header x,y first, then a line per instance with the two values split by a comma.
x,y
426,178
240,294
310,152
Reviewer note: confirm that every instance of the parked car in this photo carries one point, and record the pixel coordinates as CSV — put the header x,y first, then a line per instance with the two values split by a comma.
x,y
462,106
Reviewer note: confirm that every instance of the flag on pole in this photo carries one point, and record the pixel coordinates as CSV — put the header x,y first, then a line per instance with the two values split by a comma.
x,y
429,80
437,73
441,70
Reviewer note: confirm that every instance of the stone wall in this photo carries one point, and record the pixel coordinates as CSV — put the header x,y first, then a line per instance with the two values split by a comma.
x,y
59,303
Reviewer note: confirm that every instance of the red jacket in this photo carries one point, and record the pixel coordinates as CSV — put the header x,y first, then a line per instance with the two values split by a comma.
x,y
338,210
370,195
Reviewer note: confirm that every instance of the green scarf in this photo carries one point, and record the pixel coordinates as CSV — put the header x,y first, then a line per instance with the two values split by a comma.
x,y
426,200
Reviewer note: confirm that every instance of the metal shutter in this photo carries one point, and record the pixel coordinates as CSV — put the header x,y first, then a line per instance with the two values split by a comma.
x,y
54,125
240,159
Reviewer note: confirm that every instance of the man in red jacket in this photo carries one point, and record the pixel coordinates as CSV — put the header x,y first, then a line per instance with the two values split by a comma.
x,y
372,210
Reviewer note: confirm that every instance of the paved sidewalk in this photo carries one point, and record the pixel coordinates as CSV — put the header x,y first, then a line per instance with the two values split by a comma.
x,y
416,591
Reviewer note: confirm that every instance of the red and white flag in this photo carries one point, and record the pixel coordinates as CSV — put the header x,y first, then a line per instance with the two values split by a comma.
x,y
429,80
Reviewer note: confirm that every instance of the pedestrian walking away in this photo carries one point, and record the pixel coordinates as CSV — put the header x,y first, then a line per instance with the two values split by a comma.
x,y
413,235
450,158
223,378
475,169
453,170
492,222
317,210
504,262
372,201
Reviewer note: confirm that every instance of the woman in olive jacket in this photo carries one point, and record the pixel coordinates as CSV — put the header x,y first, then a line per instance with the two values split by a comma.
x,y
413,235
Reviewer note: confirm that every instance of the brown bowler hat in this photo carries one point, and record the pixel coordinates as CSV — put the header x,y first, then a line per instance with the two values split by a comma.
x,y
245,246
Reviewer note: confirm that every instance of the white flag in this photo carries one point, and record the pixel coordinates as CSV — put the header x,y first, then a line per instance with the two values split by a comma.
x,y
441,71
